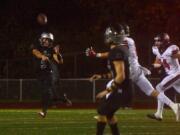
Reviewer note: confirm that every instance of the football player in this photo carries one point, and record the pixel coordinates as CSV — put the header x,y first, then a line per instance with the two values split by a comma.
x,y
111,97
167,55
137,73
48,57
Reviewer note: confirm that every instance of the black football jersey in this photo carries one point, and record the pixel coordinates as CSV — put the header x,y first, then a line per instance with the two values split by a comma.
x,y
47,51
119,53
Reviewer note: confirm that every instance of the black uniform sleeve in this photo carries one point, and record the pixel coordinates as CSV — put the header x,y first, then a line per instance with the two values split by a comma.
x,y
118,53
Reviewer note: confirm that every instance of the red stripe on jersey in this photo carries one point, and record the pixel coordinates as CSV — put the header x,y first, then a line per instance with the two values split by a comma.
x,y
171,81
125,43
174,51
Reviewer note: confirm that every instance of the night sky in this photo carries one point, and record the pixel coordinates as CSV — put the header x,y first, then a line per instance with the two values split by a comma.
x,y
77,24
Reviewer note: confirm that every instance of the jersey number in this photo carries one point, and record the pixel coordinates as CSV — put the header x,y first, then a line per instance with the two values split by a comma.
x,y
165,64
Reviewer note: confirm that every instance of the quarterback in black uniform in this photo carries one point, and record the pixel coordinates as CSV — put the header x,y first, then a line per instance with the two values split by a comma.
x,y
48,58
111,97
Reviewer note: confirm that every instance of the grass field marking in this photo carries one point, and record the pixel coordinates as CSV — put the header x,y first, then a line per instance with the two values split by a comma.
x,y
161,126
149,133
126,113
49,128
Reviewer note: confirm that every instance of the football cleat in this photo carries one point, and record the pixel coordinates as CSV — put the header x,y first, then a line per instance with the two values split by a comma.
x,y
96,117
42,114
153,116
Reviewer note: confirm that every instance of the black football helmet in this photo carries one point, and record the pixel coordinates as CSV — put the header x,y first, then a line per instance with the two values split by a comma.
x,y
115,34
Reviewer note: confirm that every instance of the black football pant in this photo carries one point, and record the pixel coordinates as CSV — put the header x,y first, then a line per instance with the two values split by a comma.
x,y
110,105
118,98
107,107
45,82
49,84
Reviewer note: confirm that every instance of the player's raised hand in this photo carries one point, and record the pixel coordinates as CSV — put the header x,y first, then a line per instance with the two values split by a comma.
x,y
95,77
57,49
90,52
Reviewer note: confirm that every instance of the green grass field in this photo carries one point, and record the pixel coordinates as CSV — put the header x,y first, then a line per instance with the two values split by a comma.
x,y
81,122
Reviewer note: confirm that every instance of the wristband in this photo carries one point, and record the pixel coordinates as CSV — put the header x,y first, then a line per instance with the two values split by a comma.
x,y
98,55
114,86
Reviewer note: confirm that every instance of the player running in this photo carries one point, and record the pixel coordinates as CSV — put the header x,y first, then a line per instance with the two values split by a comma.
x,y
137,72
167,55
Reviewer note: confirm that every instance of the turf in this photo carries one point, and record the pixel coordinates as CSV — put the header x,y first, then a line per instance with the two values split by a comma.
x,y
81,122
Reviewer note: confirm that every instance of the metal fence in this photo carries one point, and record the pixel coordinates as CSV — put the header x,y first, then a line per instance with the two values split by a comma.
x,y
75,66
79,90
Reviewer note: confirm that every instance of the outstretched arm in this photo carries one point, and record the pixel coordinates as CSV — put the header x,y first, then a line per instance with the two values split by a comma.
x,y
103,55
101,76
90,52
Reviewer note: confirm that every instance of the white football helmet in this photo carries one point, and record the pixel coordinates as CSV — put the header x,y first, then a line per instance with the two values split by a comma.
x,y
47,35
51,36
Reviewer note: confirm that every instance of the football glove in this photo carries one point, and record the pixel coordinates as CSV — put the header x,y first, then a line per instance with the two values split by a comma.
x,y
90,52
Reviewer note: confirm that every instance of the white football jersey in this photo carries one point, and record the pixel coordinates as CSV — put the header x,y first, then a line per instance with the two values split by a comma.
x,y
137,72
133,58
170,64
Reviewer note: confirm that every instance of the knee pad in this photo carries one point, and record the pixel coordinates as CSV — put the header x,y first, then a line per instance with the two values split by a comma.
x,y
101,118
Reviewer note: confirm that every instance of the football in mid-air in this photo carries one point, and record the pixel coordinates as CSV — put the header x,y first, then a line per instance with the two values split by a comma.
x,y
42,19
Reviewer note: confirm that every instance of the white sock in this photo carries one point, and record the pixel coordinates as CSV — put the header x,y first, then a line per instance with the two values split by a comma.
x,y
164,99
160,108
